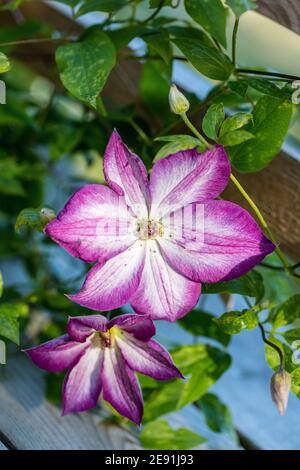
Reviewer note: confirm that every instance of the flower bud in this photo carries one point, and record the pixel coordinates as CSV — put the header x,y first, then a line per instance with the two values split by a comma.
x,y
47,215
178,102
280,387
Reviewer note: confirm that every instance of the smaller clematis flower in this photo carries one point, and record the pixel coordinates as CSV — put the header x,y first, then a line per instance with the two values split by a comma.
x,y
102,356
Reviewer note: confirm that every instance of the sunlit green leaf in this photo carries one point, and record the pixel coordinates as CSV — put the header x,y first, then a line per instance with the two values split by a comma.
x,y
269,88
211,15
212,120
177,143
87,6
272,356
286,313
9,325
34,218
158,435
271,122
85,65
234,322
235,122
4,63
235,138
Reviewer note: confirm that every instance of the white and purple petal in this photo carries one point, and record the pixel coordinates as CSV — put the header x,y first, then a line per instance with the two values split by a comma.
x,y
120,386
110,285
82,385
126,174
57,354
144,358
94,225
186,177
163,293
80,328
233,244
140,326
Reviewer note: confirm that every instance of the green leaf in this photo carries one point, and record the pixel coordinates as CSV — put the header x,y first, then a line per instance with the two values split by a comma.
x,y
158,435
156,3
286,313
200,323
241,6
4,63
85,65
269,88
272,356
271,119
163,399
207,60
203,365
234,322
159,42
187,32
240,87
235,122
34,218
217,415
251,284
292,335
9,325
295,387
235,138
176,144
211,15
155,87
100,5
212,120
122,36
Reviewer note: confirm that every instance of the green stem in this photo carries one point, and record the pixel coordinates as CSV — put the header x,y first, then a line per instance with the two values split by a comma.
x,y
283,76
273,346
140,132
234,38
252,204
194,130
155,13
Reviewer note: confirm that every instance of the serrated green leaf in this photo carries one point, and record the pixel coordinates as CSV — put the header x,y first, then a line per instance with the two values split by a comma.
x,y
9,325
234,322
207,60
85,65
235,122
212,120
4,63
203,365
34,218
239,7
158,435
286,313
200,323
271,119
251,284
177,143
235,138
211,15
217,415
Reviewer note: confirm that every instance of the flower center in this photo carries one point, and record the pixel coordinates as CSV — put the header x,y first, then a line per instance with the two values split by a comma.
x,y
105,339
149,229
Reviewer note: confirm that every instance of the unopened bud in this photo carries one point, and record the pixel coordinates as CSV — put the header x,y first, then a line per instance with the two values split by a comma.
x,y
47,215
280,388
178,102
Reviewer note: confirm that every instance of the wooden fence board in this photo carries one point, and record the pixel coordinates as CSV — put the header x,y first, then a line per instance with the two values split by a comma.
x,y
284,12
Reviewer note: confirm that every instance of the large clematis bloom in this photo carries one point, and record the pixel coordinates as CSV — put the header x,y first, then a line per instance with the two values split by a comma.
x,y
154,241
102,355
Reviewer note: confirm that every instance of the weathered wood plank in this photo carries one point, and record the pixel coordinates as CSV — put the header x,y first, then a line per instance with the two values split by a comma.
x,y
28,421
284,12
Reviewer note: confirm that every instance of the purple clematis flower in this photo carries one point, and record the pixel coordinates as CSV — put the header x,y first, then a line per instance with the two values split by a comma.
x,y
154,241
102,355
